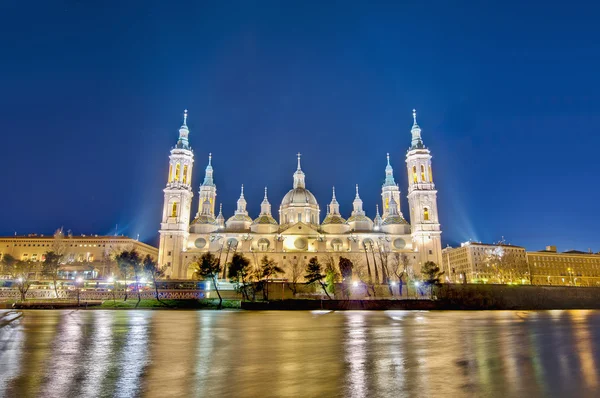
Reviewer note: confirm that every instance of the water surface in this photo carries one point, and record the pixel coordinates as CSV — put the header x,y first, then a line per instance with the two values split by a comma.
x,y
100,353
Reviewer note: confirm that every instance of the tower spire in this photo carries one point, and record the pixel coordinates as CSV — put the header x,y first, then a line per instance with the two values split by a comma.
x,y
299,175
265,206
417,142
182,142
357,204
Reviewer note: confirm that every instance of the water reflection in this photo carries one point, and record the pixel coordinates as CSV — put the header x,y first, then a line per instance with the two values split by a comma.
x,y
332,354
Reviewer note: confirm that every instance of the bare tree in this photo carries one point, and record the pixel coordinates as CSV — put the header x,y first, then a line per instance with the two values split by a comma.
x,y
23,274
296,268
51,267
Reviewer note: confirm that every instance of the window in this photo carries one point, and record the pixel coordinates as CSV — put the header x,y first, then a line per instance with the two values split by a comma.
x,y
430,174
185,170
174,211
299,217
425,214
387,203
177,167
168,253
422,173
415,174
170,173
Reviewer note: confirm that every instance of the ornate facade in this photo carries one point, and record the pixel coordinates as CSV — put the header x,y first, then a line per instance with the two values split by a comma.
x,y
299,234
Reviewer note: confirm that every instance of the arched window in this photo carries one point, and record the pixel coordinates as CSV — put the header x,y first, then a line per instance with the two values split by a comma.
x,y
177,168
174,211
422,173
425,214
170,172
312,218
387,203
415,174
430,174
185,170
337,245
263,244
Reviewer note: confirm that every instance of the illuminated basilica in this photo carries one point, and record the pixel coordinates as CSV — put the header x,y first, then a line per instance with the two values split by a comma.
x,y
299,233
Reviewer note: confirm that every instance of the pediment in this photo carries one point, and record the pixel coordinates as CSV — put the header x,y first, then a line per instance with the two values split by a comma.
x,y
301,229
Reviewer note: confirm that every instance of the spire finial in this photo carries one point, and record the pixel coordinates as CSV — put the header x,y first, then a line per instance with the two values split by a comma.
x,y
185,114
242,195
209,158
265,192
388,158
415,116
357,190
298,154
220,208
333,192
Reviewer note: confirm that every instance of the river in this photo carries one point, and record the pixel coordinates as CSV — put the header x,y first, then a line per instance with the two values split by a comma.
x,y
104,353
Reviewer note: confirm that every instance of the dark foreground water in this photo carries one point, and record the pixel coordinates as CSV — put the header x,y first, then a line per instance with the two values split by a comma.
x,y
299,354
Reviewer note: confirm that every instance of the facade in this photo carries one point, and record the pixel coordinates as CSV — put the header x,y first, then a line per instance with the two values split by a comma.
x,y
474,262
570,268
299,232
91,256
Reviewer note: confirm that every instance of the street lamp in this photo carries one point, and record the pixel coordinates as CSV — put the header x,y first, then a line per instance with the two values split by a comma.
x,y
78,283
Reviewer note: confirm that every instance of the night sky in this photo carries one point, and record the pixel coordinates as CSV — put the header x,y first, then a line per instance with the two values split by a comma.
x,y
507,95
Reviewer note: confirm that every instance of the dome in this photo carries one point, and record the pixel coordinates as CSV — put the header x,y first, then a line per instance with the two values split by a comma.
x,y
239,217
394,219
204,219
333,219
265,219
298,196
358,218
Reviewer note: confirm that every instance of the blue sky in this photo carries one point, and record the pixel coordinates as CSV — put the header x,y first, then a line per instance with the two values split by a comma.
x,y
506,92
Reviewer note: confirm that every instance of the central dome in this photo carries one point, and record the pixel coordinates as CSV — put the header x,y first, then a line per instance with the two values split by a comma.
x,y
299,204
298,196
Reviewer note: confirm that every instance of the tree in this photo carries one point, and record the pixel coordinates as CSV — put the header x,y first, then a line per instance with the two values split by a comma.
x,y
431,274
314,275
238,272
331,274
51,267
268,269
21,273
346,266
401,268
8,262
155,272
209,268
296,271
130,265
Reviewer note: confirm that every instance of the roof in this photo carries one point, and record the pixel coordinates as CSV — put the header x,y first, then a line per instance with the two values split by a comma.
x,y
299,196
333,219
391,220
265,219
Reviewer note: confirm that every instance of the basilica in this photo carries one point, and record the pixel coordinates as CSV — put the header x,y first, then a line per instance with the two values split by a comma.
x,y
299,232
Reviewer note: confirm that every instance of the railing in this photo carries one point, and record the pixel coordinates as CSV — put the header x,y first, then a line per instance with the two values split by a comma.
x,y
95,295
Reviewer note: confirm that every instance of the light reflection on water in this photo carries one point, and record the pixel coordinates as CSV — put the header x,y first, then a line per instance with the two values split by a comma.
x,y
321,354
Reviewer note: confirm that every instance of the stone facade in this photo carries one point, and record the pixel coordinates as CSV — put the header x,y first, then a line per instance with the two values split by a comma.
x,y
89,254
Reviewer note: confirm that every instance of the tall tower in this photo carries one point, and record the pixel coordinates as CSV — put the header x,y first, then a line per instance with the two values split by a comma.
x,y
422,200
177,206
389,190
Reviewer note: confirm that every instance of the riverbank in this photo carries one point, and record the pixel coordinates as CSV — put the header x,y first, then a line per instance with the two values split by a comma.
x,y
122,305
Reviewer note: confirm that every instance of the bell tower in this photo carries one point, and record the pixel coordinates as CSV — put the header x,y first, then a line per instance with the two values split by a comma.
x,y
422,200
177,205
